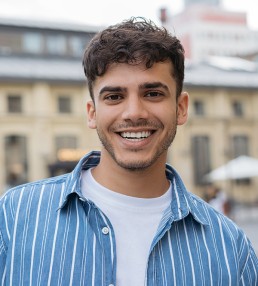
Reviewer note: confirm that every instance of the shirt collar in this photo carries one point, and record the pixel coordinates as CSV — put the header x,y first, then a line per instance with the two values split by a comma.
x,y
73,181
183,203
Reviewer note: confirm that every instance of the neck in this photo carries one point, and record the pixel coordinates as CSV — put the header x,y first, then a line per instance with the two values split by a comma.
x,y
147,183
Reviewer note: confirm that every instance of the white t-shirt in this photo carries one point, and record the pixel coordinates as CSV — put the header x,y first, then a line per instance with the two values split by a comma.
x,y
135,222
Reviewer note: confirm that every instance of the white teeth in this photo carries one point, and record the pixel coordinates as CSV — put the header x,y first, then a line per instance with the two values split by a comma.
x,y
136,135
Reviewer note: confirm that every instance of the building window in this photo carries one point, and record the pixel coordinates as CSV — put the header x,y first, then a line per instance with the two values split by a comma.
x,y
66,142
32,43
198,107
15,160
201,158
64,104
56,44
14,103
237,107
240,146
76,46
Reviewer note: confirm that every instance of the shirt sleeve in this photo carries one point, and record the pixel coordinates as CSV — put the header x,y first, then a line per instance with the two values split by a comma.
x,y
2,259
250,271
3,241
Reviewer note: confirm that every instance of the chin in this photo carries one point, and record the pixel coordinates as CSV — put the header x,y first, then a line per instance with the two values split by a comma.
x,y
132,166
136,165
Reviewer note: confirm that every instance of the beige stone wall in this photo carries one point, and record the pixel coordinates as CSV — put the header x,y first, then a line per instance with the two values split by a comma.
x,y
41,123
219,124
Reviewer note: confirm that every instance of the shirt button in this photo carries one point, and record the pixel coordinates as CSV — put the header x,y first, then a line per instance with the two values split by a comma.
x,y
105,230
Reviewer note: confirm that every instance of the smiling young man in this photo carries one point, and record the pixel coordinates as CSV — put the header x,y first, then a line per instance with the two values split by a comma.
x,y
136,112
124,217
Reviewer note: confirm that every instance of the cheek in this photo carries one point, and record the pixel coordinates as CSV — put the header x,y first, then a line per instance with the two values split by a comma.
x,y
167,115
103,120
107,116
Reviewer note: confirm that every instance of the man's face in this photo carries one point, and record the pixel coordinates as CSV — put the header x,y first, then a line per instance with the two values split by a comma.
x,y
136,113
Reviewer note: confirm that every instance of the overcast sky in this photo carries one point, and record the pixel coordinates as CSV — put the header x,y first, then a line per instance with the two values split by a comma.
x,y
106,12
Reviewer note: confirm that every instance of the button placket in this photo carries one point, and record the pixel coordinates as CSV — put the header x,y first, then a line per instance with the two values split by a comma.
x,y
105,230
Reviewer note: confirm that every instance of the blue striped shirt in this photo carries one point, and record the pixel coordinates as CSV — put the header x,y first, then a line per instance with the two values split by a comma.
x,y
51,235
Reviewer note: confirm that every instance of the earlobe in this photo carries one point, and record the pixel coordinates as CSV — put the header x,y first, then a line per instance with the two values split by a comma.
x,y
91,112
182,108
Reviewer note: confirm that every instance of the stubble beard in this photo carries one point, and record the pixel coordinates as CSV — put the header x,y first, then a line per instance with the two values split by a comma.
x,y
141,164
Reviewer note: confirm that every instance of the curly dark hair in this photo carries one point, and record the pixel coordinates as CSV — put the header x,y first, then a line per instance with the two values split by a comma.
x,y
133,41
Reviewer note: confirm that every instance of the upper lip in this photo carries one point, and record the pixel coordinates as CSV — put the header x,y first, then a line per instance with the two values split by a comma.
x,y
143,126
136,129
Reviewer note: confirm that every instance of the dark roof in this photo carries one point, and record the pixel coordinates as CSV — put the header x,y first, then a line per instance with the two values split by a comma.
x,y
205,74
35,69
222,72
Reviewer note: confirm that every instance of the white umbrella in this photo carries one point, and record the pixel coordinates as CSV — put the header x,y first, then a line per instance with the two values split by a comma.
x,y
240,168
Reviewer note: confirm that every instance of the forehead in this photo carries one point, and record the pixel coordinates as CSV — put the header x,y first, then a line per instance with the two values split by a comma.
x,y
122,74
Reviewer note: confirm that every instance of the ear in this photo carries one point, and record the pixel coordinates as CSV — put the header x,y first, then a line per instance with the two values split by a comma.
x,y
91,112
182,108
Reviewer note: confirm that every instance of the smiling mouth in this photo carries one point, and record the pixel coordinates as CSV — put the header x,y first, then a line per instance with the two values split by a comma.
x,y
136,136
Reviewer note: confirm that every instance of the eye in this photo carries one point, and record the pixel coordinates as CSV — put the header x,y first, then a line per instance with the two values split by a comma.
x,y
113,98
153,94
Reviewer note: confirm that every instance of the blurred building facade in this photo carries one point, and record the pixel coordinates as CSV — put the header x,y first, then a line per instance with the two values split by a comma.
x,y
206,29
221,77
42,99
43,127
222,125
203,2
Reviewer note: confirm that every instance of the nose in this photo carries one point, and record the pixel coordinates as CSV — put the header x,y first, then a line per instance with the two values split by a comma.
x,y
134,109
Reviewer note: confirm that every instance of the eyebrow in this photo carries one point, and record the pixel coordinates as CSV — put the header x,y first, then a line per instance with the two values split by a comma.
x,y
146,85
153,85
112,89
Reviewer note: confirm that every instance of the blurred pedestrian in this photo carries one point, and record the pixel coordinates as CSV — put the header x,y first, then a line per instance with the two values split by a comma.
x,y
218,199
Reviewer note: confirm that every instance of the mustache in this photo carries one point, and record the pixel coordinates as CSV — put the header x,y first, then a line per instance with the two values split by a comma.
x,y
151,124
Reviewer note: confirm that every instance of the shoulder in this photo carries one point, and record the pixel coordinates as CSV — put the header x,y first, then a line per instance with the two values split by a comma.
x,y
28,200
220,230
220,224
22,194
222,237
226,239
28,187
226,231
